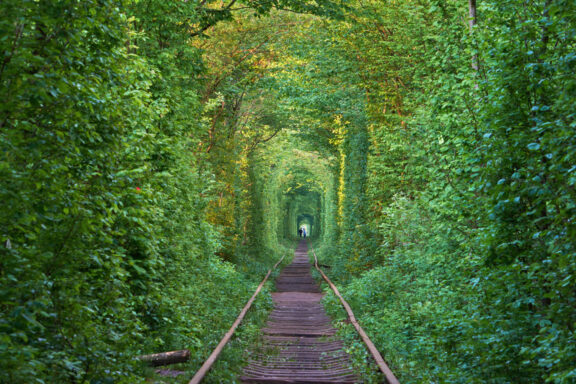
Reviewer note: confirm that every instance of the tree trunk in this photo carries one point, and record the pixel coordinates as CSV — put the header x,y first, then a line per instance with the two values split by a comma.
x,y
472,23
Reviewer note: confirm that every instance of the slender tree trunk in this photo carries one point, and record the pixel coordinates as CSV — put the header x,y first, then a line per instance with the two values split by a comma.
x,y
472,23
472,13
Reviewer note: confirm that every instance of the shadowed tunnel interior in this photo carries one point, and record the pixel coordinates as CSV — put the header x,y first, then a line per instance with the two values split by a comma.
x,y
298,190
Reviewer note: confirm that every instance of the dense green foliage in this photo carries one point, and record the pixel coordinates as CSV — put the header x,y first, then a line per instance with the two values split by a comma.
x,y
157,156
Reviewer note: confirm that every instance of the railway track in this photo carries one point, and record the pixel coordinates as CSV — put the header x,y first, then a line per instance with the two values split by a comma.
x,y
299,343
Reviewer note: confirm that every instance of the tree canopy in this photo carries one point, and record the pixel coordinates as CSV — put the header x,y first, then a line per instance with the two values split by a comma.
x,y
156,157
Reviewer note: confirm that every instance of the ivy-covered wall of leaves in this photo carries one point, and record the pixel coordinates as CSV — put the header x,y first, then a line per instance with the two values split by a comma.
x,y
157,156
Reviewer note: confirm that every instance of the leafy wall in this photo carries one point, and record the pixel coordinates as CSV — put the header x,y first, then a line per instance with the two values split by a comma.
x,y
158,156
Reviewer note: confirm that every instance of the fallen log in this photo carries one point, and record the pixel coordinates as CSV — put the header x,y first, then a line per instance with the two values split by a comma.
x,y
166,358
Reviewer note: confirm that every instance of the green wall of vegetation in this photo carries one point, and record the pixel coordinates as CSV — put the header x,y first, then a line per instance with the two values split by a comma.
x,y
156,157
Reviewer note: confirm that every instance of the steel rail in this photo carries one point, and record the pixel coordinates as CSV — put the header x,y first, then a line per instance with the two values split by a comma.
x,y
214,355
388,374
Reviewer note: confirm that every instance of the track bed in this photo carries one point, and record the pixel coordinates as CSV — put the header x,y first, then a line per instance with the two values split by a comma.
x,y
299,344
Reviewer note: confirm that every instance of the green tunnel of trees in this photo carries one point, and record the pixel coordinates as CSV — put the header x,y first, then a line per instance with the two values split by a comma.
x,y
158,156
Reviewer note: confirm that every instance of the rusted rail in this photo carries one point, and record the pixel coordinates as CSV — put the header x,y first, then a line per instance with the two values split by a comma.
x,y
388,374
214,355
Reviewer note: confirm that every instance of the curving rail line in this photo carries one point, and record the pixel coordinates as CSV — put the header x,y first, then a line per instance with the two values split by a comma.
x,y
388,374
